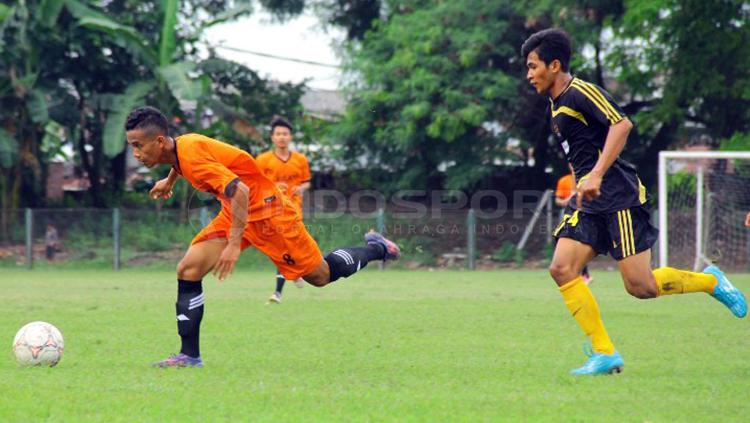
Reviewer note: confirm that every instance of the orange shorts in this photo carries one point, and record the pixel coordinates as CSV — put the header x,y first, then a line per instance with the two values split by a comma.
x,y
282,238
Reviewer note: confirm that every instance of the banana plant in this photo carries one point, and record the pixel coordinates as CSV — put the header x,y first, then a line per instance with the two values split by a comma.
x,y
177,79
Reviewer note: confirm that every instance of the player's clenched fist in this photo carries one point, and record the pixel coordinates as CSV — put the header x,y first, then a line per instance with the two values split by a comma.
x,y
590,189
161,189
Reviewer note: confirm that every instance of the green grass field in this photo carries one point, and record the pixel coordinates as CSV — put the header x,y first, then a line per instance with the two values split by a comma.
x,y
380,346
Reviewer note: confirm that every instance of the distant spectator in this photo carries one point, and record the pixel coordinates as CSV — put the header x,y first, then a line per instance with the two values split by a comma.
x,y
51,241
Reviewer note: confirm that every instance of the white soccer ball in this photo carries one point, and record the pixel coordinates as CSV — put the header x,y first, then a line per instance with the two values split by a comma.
x,y
38,344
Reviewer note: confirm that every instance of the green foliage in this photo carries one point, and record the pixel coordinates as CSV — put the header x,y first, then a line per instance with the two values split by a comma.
x,y
121,105
508,253
737,142
167,43
430,79
8,149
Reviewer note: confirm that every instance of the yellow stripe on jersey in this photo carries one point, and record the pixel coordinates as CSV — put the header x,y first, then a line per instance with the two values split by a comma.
x,y
570,112
598,94
590,94
594,91
596,97
630,232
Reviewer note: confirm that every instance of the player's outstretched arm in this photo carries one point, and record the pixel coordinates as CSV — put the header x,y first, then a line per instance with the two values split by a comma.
x,y
613,145
163,187
230,255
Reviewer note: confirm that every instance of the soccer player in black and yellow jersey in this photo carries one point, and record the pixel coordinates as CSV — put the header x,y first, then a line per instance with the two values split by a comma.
x,y
609,214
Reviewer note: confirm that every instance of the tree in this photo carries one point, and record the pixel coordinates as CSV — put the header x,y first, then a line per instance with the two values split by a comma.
x,y
672,64
441,94
439,88
71,70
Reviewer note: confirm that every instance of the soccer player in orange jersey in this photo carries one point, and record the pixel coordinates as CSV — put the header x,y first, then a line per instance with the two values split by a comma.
x,y
291,172
254,212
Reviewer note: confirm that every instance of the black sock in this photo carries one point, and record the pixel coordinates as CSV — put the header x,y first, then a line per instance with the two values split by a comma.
x,y
344,262
189,315
279,281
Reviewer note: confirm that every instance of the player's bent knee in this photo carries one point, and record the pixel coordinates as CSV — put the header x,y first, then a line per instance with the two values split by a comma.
x,y
316,281
562,273
641,291
188,271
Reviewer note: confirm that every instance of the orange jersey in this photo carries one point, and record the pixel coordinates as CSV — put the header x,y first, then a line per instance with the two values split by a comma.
x,y
564,187
283,239
293,172
215,167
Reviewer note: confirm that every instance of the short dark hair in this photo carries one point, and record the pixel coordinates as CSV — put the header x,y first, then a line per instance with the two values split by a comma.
x,y
549,44
147,117
280,121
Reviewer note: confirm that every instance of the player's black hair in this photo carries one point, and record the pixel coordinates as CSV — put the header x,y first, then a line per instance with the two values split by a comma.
x,y
549,44
280,121
147,117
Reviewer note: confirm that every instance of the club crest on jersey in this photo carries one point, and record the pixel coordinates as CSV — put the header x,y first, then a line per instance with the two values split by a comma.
x,y
565,146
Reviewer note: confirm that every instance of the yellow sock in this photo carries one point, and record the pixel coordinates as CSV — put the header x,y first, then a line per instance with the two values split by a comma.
x,y
585,310
674,281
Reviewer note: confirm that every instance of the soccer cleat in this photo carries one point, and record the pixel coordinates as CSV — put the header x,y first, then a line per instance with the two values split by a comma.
x,y
299,283
180,360
599,364
392,251
274,299
726,293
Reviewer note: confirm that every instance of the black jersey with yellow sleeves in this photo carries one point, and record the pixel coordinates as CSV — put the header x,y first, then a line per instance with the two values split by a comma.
x,y
581,116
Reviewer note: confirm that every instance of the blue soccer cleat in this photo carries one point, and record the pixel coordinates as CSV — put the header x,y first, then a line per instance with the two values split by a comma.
x,y
392,251
726,293
180,360
599,364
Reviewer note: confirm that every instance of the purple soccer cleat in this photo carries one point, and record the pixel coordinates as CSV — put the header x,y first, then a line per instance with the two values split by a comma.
x,y
392,251
180,360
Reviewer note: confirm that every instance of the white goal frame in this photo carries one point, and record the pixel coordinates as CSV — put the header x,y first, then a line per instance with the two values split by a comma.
x,y
664,156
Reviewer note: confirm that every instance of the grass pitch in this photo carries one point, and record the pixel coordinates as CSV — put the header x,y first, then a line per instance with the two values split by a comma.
x,y
380,346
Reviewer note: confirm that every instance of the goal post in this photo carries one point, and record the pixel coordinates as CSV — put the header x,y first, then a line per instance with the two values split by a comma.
x,y
703,197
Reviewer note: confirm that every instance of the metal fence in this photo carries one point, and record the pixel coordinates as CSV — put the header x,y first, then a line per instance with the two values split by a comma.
x,y
131,238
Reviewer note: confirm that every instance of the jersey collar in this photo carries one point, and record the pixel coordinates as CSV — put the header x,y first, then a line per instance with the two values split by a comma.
x,y
567,87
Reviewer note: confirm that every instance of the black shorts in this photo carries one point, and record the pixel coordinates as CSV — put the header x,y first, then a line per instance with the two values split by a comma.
x,y
621,234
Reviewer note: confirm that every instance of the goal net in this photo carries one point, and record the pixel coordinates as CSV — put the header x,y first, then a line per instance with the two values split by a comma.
x,y
703,200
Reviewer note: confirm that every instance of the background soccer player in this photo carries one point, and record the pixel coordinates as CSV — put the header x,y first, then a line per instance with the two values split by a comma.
x,y
291,172
253,212
610,214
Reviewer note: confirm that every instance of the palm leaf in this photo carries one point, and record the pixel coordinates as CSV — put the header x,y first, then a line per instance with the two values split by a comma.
x,y
177,77
167,43
122,104
5,12
50,10
37,105
126,36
